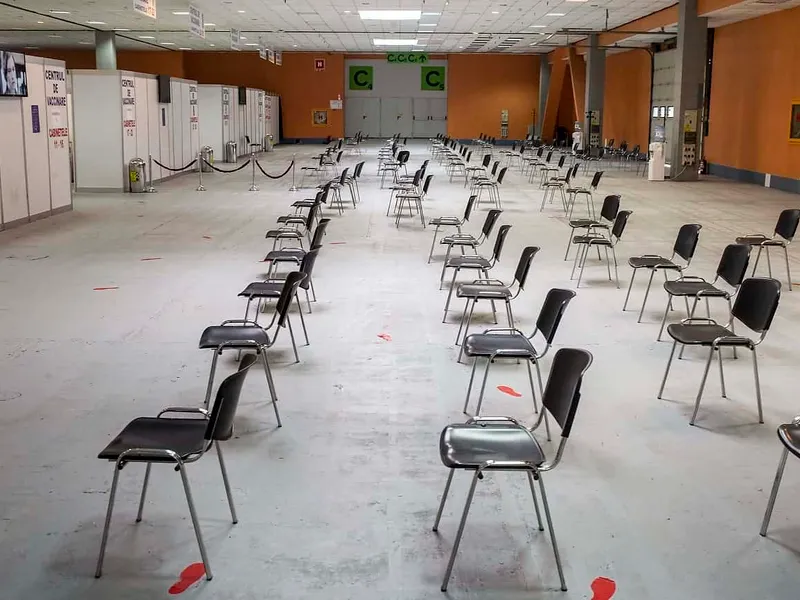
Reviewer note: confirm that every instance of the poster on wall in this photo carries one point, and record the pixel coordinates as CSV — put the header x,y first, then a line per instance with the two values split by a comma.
x,y
197,24
56,98
145,7
319,118
271,56
194,117
226,105
262,53
128,105
236,39
278,58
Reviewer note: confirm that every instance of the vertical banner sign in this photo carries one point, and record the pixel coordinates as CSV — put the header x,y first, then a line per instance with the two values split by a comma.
x,y
271,56
236,39
194,117
145,7
226,105
36,123
128,105
278,58
197,24
262,53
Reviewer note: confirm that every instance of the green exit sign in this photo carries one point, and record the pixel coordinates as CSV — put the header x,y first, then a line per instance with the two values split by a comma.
x,y
414,58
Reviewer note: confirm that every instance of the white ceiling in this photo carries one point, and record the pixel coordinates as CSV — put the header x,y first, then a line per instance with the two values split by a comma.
x,y
320,24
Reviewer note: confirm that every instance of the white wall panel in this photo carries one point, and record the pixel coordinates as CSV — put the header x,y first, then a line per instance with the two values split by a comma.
x,y
193,118
97,113
143,110
36,151
165,137
13,191
153,120
57,118
211,125
228,100
129,102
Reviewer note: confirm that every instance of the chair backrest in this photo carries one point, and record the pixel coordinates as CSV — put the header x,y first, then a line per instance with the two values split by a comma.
x,y
403,156
610,207
611,143
417,177
339,157
686,242
358,169
427,184
247,139
500,242
502,174
524,265
470,206
486,160
312,215
494,167
549,156
598,175
319,232
490,222
469,156
540,152
574,171
620,221
733,264
325,191
290,285
787,223
343,176
307,266
424,166
757,302
220,421
563,390
555,303
561,160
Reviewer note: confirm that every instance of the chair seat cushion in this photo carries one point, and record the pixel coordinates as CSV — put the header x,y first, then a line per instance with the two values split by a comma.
x,y
454,240
303,203
262,289
217,334
468,261
446,221
699,334
286,255
292,219
691,288
595,240
514,345
789,434
469,445
488,291
651,262
578,191
759,240
182,436
284,233
582,223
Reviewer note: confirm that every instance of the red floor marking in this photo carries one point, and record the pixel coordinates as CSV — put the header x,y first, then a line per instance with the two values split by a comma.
x,y
336,243
603,588
151,258
206,237
509,390
385,336
189,576
103,289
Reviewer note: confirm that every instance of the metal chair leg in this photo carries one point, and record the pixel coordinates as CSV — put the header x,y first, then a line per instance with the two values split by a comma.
x,y
444,499
469,387
144,492
466,330
450,294
616,269
308,301
483,387
461,526
271,386
291,335
552,533
758,385
225,481
702,386
721,374
195,523
461,324
211,378
533,390
569,243
788,270
535,501
630,286
433,243
664,319
646,294
104,540
774,494
541,392
302,319
769,262
666,372
755,265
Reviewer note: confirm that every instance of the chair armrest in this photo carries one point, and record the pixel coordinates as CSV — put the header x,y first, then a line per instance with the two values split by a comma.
x,y
733,340
241,322
487,282
144,453
473,420
700,319
506,464
689,278
184,409
507,329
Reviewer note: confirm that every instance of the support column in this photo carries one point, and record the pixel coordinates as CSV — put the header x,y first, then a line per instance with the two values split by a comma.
x,y
595,91
690,64
544,85
105,45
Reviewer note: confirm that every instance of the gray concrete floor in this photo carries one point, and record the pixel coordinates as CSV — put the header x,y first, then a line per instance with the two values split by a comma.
x,y
339,502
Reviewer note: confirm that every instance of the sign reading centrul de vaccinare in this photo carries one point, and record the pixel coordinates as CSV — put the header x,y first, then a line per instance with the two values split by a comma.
x,y
145,7
414,58
433,78
197,24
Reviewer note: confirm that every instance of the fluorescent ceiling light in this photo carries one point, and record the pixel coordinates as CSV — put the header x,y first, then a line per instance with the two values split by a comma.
x,y
495,12
167,43
241,37
54,36
180,12
394,42
427,24
538,26
40,22
251,44
555,15
120,29
146,37
389,15
184,48
241,12
85,43
431,14
347,12
211,24
95,22
212,45
59,12
514,39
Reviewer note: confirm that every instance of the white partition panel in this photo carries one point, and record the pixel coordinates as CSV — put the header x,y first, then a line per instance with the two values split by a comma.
x,y
143,110
165,137
242,128
153,120
211,125
175,126
13,191
56,125
35,131
227,104
129,103
193,116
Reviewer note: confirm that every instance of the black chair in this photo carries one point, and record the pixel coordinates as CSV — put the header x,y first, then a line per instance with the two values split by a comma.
x,y
574,192
546,171
295,255
409,185
177,442
598,240
414,199
474,172
254,147
448,221
466,240
755,307
485,444
352,183
732,269
236,334
559,184
321,197
494,289
789,435
475,262
785,230
608,213
492,186
685,245
294,233
509,343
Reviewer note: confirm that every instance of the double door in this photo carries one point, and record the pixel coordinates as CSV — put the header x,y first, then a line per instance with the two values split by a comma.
x,y
384,117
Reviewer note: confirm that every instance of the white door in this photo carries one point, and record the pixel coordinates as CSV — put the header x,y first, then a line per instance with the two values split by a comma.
x,y
396,117
422,118
364,115
437,109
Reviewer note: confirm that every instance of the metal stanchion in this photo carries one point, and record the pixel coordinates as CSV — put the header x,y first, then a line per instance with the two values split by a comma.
x,y
150,189
201,187
294,188
253,186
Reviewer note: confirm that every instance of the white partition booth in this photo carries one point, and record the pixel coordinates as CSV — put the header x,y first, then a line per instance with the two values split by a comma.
x,y
117,117
34,148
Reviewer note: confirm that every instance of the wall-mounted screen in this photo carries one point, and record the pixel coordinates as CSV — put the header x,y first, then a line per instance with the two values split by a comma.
x,y
13,78
670,112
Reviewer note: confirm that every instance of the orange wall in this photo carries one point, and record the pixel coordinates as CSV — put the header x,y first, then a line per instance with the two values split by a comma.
x,y
483,85
566,115
626,103
754,80
155,62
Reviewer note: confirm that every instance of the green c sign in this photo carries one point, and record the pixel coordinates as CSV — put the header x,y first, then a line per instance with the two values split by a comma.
x,y
414,58
433,79
361,78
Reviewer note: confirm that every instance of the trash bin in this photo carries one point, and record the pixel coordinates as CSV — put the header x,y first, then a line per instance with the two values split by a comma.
x,y
230,152
207,156
268,143
136,175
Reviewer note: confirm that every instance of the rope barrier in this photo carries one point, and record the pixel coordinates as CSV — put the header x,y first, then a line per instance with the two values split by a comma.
x,y
239,168
289,168
191,164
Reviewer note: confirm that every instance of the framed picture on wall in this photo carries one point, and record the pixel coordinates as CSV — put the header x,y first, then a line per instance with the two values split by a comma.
x,y
319,118
794,125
